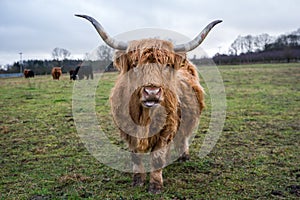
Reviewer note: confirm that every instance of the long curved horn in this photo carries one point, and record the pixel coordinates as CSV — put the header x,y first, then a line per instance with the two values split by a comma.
x,y
197,40
113,43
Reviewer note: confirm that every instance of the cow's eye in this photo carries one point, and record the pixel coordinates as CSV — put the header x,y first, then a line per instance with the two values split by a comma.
x,y
167,69
170,65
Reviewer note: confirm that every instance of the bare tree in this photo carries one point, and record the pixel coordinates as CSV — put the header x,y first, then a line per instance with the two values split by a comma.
x,y
262,40
249,43
60,53
104,53
236,47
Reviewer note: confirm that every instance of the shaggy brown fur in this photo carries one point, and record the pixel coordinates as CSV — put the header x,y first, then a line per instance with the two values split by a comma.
x,y
56,73
153,62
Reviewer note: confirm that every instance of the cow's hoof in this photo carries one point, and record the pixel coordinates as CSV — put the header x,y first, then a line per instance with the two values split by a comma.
x,y
155,188
138,181
184,157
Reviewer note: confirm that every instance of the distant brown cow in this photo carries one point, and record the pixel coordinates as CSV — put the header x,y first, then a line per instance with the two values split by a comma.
x,y
157,99
56,73
28,73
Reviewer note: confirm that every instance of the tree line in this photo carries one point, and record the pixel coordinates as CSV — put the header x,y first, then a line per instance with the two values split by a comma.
x,y
99,59
262,49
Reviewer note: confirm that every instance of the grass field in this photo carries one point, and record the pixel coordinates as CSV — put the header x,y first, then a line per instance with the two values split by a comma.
x,y
257,155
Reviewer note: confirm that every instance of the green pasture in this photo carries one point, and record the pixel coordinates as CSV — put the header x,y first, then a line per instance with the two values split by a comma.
x,y
257,155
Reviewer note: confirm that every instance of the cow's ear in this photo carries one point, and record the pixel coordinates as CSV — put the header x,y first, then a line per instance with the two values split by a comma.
x,y
121,63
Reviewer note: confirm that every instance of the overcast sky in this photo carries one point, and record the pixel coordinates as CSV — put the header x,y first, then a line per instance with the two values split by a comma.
x,y
36,27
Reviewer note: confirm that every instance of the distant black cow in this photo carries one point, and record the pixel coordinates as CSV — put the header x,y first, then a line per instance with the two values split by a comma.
x,y
85,71
74,73
110,68
28,73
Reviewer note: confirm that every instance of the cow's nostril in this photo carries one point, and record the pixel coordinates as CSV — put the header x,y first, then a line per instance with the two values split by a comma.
x,y
151,96
152,90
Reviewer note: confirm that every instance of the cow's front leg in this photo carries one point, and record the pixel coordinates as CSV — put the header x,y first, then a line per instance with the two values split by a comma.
x,y
156,182
139,175
158,161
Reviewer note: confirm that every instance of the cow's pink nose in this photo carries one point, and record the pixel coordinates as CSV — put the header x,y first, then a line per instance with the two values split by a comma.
x,y
152,91
151,96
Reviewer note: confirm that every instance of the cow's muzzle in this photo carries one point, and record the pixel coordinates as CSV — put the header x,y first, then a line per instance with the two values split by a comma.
x,y
151,96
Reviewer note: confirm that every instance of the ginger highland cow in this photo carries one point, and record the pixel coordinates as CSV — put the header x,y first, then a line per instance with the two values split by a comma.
x,y
156,101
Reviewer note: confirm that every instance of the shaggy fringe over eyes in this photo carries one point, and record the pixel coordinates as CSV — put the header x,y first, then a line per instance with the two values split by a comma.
x,y
148,51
